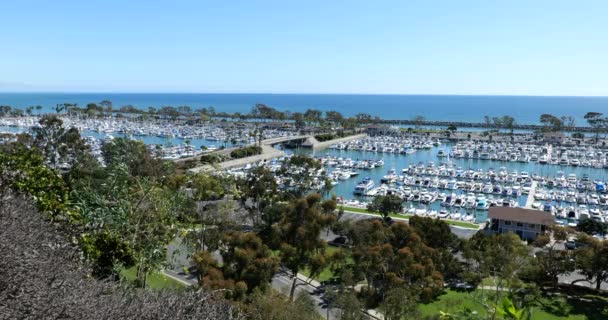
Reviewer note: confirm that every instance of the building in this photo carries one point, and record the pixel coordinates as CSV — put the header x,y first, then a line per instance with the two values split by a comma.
x,y
554,137
526,223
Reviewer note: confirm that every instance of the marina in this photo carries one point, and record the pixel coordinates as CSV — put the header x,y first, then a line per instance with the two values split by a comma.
x,y
424,173
434,177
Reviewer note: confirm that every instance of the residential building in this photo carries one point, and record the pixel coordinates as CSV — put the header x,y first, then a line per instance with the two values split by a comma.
x,y
526,223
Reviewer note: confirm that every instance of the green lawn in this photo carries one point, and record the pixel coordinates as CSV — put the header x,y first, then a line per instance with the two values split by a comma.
x,y
407,216
326,274
155,280
550,308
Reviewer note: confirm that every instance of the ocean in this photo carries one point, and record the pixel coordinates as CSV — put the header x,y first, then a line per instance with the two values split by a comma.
x,y
525,109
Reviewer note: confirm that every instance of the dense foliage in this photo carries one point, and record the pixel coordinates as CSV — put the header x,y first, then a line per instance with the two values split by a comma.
x,y
244,152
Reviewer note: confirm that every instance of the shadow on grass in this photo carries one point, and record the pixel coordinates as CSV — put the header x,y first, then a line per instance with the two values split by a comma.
x,y
591,308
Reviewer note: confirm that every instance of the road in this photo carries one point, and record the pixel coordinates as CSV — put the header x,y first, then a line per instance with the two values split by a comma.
x,y
282,281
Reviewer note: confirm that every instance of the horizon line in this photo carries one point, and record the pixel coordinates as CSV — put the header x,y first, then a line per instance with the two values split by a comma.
x,y
307,93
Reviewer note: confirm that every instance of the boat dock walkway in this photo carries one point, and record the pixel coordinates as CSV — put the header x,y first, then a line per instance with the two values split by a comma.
x,y
530,199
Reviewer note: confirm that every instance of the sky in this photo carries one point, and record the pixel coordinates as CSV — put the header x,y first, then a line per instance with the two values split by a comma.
x,y
502,47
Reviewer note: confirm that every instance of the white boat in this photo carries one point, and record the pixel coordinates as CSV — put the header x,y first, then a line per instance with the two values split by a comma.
x,y
364,187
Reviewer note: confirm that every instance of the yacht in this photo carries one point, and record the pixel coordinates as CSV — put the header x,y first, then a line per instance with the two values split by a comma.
x,y
390,177
482,203
364,187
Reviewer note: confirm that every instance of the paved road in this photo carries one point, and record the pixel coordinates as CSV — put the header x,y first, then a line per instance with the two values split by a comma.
x,y
282,281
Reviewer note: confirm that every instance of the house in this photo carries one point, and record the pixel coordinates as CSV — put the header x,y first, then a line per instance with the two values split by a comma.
x,y
526,223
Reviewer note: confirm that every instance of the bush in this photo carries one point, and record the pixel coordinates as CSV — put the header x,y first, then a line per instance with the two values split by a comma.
x,y
325,137
330,136
210,159
246,152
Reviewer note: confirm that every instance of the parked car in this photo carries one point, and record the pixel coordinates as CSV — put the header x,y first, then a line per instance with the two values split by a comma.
x,y
573,244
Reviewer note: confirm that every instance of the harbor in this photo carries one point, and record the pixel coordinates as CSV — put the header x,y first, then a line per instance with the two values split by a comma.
x,y
432,182
435,177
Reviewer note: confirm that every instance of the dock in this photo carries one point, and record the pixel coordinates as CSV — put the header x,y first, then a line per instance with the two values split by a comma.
x,y
530,199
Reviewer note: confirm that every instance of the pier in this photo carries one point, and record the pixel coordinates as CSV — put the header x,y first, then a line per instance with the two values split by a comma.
x,y
530,199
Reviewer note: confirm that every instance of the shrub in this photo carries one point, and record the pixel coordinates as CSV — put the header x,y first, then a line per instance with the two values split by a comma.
x,y
245,152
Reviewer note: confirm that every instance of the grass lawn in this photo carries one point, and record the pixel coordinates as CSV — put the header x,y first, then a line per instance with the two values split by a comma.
x,y
326,274
155,280
407,216
550,308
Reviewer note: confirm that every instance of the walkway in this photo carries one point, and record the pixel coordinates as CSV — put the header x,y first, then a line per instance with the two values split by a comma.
x,y
530,199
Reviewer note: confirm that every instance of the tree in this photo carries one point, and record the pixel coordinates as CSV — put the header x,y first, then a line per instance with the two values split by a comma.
x,y
312,115
551,123
57,144
107,106
418,120
388,257
598,122
592,260
273,306
569,122
299,230
508,122
300,174
298,119
400,303
386,205
334,117
499,257
551,261
363,118
436,234
246,258
136,156
452,128
257,192
591,227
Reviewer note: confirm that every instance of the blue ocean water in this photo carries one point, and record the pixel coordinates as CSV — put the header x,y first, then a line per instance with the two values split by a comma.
x,y
526,109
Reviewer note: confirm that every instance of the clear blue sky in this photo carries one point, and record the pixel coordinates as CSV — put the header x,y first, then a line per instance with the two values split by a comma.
x,y
528,47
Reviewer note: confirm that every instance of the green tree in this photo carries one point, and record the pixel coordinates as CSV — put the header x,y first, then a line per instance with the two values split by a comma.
x,y
334,117
551,123
256,192
418,120
499,257
400,303
551,260
246,258
137,157
386,205
509,123
299,231
598,122
58,144
391,256
300,174
592,261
